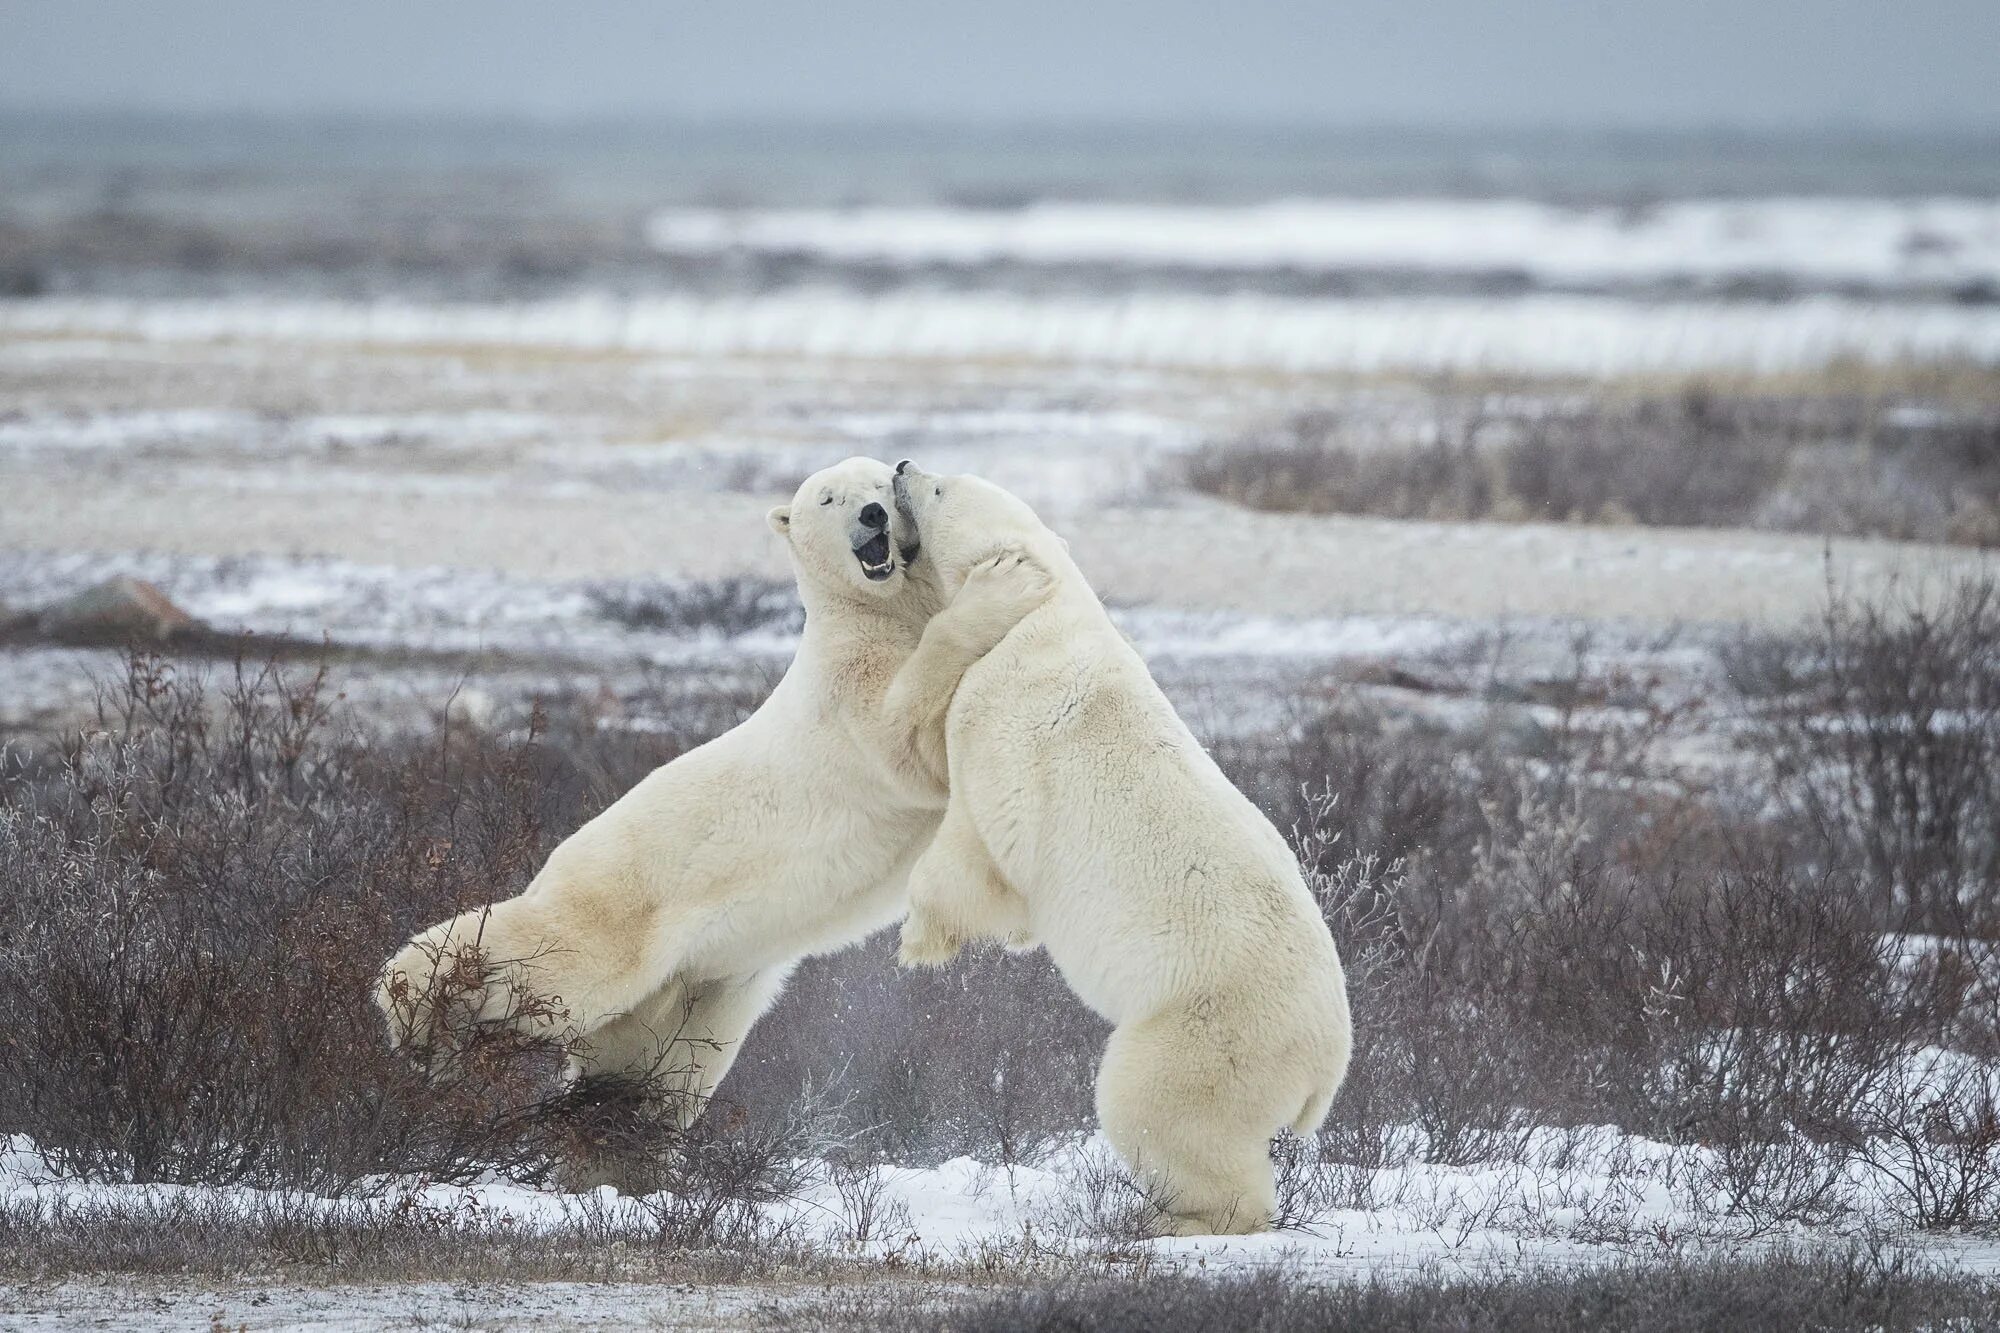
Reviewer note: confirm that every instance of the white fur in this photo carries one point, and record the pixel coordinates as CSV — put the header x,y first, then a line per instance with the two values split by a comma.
x,y
676,915
1084,815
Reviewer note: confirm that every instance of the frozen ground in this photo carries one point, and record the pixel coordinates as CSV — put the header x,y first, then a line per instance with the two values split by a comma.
x,y
412,638
1574,1199
1885,244
1543,334
547,465
453,511
142,1304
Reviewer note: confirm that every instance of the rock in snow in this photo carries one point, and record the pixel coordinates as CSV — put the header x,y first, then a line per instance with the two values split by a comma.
x,y
121,609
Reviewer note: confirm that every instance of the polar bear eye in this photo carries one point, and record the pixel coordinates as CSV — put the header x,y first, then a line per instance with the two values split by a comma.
x,y
826,499
937,490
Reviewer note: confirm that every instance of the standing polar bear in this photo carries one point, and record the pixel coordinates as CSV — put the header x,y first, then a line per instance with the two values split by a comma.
x,y
1085,816
676,915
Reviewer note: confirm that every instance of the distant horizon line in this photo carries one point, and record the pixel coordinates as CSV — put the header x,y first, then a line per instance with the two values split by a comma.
x,y
923,124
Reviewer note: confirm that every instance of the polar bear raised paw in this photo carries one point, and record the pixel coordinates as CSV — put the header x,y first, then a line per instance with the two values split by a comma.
x,y
996,594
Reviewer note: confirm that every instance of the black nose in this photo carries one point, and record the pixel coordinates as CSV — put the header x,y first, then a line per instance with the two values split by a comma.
x,y
902,467
874,516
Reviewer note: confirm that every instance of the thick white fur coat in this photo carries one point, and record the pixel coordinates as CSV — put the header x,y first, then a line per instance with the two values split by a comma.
x,y
657,933
1086,817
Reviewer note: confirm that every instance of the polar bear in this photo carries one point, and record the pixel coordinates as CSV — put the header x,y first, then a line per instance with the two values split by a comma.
x,y
1085,816
674,917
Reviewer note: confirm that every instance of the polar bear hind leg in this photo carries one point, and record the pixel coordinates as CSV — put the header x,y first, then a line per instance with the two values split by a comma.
x,y
637,1044
655,1069
682,1039
1183,1117
957,895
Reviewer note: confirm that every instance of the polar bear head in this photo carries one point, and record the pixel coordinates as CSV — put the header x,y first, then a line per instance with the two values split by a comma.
x,y
963,520
845,535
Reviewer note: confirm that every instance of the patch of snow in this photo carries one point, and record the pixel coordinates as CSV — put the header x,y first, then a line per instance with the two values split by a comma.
x,y
1540,334
1882,242
1584,1195
124,430
469,608
239,432
1193,635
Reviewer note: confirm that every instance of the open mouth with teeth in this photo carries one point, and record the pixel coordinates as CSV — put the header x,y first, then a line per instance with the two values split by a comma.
x,y
877,562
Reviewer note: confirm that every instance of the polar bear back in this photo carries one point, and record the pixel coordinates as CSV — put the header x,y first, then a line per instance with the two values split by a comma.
x,y
1149,876
777,837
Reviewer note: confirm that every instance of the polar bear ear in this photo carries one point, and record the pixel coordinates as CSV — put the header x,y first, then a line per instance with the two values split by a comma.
x,y
780,520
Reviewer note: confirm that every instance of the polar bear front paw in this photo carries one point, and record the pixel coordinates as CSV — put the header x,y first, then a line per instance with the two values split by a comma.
x,y
997,592
1011,580
924,943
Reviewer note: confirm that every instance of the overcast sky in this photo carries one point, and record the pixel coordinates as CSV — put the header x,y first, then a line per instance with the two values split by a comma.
x,y
1748,63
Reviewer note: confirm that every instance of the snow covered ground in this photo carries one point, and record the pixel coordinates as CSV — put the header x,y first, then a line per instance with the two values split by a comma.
x,y
423,632
436,504
1880,243
1544,334
1568,1199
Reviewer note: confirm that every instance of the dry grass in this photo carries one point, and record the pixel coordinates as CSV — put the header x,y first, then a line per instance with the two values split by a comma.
x,y
724,607
1862,1289
202,891
1881,734
1832,465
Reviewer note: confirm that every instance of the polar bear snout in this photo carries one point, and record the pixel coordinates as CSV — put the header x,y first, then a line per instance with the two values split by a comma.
x,y
876,543
869,536
907,475
877,561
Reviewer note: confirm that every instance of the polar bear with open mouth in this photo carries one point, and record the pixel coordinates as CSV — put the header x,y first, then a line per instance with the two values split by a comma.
x,y
676,915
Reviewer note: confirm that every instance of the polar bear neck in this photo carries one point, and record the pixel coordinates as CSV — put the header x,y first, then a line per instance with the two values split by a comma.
x,y
829,601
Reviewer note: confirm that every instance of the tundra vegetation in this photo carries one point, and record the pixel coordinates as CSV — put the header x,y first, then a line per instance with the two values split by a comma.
x,y
1851,461
1586,973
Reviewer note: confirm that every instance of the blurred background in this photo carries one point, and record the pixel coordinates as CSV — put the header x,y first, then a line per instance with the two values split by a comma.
x,y
467,327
